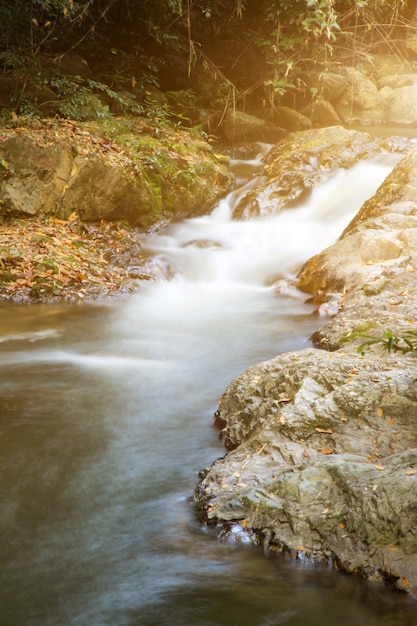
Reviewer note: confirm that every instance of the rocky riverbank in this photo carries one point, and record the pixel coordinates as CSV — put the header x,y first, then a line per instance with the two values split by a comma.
x,y
75,199
322,460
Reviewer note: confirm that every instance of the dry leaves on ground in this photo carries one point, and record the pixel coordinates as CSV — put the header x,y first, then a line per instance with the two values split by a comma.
x,y
55,259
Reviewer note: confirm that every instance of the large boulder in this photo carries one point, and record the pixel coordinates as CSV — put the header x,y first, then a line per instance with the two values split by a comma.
x,y
238,126
117,170
360,102
401,105
290,119
370,273
380,92
323,462
322,113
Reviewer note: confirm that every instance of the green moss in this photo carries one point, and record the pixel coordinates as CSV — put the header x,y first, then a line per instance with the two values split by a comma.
x,y
46,265
8,277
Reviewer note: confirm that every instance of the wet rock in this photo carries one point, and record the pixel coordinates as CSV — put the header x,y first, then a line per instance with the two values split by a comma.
x,y
298,162
399,187
323,461
322,456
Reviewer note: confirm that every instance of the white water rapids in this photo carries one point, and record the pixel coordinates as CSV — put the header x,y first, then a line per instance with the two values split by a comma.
x,y
106,418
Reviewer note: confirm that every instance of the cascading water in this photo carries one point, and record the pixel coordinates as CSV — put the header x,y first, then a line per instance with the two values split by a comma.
x,y
106,419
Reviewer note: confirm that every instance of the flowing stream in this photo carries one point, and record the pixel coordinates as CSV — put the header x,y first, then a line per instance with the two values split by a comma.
x,y
106,416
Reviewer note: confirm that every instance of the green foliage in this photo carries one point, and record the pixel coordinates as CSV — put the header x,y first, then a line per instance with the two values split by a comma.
x,y
390,342
33,25
134,42
80,99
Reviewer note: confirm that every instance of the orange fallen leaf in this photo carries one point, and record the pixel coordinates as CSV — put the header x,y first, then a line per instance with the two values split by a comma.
x,y
327,451
324,430
391,421
411,472
300,549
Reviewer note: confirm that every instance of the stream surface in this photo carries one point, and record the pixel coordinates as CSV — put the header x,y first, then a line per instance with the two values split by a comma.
x,y
106,416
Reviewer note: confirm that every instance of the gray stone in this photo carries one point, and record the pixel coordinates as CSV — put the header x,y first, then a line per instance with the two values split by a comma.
x,y
238,126
290,119
360,102
322,113
322,459
401,107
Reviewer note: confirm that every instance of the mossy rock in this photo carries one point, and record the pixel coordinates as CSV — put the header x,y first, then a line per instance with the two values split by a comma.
x,y
112,169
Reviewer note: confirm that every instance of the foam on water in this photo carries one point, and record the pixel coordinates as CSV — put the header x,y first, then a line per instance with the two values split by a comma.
x,y
217,249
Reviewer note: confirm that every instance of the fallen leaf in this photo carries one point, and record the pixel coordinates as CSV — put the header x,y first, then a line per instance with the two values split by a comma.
x,y
379,467
327,451
411,472
391,421
380,412
324,430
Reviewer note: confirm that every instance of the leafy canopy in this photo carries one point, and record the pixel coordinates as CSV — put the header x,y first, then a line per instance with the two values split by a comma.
x,y
140,41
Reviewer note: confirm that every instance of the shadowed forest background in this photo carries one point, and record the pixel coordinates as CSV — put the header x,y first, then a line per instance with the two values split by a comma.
x,y
187,61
